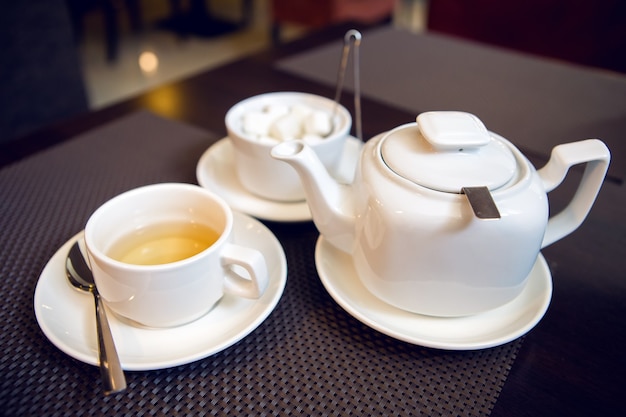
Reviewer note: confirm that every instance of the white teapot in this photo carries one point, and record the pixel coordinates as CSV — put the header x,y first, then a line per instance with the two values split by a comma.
x,y
445,218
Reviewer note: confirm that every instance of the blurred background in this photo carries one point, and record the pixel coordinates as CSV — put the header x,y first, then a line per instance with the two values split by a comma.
x,y
61,57
177,38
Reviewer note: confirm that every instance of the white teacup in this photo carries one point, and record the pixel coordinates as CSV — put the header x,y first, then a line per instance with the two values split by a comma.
x,y
265,176
162,255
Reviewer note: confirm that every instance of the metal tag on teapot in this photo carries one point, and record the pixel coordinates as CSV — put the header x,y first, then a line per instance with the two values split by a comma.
x,y
482,203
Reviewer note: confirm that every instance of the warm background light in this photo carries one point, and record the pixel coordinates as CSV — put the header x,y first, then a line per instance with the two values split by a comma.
x,y
148,62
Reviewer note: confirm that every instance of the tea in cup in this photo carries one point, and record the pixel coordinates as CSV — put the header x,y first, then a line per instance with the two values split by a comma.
x,y
162,255
257,124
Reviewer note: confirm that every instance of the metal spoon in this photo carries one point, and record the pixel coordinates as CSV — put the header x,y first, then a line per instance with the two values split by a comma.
x,y
80,276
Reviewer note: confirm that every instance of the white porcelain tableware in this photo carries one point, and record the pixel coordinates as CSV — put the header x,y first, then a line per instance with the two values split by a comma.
x,y
66,316
216,172
152,223
478,331
445,218
254,137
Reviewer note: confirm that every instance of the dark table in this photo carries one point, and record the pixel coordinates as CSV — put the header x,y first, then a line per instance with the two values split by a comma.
x,y
311,357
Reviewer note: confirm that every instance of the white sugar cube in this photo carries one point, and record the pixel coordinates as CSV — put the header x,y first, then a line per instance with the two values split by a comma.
x,y
257,123
318,123
301,110
277,122
286,127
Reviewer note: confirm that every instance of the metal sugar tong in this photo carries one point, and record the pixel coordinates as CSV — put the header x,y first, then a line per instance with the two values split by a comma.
x,y
351,40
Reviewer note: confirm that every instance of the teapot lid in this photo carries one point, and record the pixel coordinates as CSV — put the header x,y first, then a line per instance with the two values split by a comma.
x,y
446,151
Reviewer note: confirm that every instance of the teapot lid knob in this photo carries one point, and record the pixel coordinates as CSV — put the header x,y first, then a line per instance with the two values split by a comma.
x,y
452,130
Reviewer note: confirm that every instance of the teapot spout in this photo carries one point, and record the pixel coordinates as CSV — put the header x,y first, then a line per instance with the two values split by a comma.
x,y
330,202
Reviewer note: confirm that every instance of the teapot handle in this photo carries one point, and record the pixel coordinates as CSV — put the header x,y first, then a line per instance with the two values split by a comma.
x,y
597,156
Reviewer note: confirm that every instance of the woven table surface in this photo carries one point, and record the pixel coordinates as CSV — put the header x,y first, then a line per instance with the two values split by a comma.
x,y
309,357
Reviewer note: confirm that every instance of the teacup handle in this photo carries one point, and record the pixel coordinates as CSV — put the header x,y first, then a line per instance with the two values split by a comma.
x,y
253,262
597,156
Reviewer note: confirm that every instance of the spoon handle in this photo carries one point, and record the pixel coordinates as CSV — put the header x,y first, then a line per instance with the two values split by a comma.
x,y
110,368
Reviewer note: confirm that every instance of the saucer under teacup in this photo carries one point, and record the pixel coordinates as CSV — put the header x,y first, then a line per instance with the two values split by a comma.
x,y
216,172
67,318
479,331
